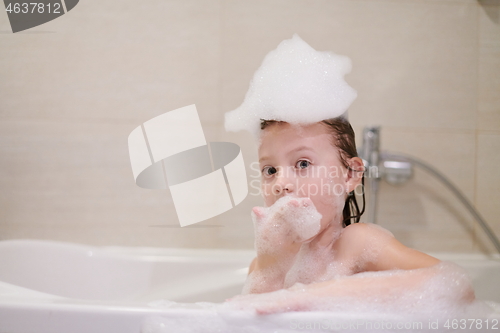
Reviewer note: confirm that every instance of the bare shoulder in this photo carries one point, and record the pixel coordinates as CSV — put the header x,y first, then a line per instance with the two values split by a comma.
x,y
360,242
360,233
379,250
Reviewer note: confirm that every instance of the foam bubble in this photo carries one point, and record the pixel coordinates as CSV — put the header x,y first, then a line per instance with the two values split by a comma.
x,y
424,296
309,266
288,220
225,319
319,264
278,230
442,290
296,84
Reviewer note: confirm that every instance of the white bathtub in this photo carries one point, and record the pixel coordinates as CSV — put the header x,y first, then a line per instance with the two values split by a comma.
x,y
62,287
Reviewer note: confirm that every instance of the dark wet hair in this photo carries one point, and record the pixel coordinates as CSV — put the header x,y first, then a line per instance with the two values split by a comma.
x,y
344,139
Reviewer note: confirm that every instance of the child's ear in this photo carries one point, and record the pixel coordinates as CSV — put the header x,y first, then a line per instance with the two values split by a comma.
x,y
354,174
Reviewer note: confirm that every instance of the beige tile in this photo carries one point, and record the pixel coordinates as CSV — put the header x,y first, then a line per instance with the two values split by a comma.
x,y
73,182
488,3
95,75
69,173
239,231
421,71
415,63
489,91
358,134
489,24
121,61
488,179
450,152
483,241
489,68
131,235
423,213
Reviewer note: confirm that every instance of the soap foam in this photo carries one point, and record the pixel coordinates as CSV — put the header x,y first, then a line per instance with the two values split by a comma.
x,y
309,266
222,319
296,84
324,263
288,221
442,290
283,223
434,297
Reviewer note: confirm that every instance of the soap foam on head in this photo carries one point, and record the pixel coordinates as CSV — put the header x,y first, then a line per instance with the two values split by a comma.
x,y
295,84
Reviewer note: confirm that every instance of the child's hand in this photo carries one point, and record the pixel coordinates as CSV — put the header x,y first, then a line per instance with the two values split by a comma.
x,y
288,222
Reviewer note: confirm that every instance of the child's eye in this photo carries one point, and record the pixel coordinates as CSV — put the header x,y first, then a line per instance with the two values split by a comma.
x,y
269,170
302,164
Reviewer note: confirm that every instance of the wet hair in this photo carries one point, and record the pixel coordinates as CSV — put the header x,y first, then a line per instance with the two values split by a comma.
x,y
343,138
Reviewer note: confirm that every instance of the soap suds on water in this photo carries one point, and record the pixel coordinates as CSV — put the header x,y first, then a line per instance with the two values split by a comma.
x,y
439,291
296,84
436,299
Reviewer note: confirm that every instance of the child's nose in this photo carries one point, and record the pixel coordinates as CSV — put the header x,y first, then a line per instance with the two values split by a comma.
x,y
283,183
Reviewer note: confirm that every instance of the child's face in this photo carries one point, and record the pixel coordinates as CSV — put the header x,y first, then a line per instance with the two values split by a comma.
x,y
300,160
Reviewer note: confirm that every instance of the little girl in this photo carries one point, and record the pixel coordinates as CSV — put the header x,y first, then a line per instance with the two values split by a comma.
x,y
311,255
319,161
316,164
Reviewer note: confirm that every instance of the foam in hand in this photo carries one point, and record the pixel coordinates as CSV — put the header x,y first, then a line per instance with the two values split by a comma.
x,y
295,84
288,220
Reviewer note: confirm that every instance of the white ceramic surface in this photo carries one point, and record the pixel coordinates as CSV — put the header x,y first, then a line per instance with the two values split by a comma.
x,y
63,287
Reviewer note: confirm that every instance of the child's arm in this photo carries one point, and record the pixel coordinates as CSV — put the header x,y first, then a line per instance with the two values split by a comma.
x,y
445,283
406,271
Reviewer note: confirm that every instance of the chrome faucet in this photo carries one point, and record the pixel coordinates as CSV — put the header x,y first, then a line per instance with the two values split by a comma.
x,y
398,169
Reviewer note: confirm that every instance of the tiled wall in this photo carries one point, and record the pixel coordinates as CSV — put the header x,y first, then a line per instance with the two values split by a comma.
x,y
72,90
